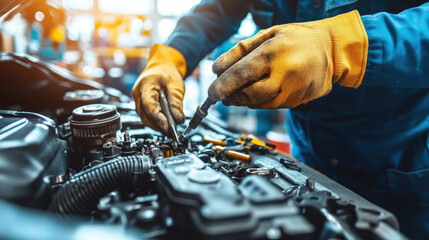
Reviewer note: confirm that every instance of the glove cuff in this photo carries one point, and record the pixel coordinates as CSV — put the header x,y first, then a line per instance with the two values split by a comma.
x,y
350,49
163,54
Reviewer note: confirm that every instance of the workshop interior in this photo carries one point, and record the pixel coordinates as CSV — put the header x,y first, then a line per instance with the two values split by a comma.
x,y
77,161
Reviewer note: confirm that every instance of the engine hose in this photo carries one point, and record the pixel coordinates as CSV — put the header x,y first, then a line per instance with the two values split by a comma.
x,y
81,194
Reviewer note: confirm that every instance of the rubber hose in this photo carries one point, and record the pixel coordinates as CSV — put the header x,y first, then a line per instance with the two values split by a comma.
x,y
80,195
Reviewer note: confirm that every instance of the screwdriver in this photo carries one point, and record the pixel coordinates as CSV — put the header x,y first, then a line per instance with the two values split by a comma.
x,y
170,120
199,115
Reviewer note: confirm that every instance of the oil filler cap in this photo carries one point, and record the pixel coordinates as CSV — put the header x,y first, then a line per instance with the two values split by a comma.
x,y
203,176
94,124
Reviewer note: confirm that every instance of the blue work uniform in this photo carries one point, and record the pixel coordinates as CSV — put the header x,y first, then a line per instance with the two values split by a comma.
x,y
373,139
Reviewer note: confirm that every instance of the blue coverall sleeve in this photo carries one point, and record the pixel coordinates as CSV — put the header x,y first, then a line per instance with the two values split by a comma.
x,y
398,54
208,25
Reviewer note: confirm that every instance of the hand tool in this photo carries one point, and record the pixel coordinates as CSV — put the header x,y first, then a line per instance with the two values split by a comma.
x,y
199,115
234,154
254,142
166,110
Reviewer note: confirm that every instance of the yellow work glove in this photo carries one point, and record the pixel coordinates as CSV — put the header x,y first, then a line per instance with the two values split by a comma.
x,y
165,70
287,65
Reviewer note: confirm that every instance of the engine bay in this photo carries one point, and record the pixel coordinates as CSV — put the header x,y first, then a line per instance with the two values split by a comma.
x,y
86,157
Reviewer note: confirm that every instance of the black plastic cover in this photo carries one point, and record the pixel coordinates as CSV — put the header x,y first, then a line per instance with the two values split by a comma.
x,y
29,150
26,79
219,208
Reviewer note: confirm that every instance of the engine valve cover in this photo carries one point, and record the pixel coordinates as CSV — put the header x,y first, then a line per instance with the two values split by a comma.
x,y
219,207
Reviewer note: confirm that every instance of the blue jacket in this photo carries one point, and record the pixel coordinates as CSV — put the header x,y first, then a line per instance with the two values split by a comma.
x,y
374,139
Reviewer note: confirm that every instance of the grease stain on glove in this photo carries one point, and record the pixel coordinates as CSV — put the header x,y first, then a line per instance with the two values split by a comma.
x,y
288,65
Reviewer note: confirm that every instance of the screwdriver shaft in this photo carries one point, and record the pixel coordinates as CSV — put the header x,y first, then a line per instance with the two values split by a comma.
x,y
170,120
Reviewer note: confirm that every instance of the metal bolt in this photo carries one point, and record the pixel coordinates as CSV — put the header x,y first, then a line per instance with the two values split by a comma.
x,y
60,179
127,137
108,145
156,153
310,183
152,174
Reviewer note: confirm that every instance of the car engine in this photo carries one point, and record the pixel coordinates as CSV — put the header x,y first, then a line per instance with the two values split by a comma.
x,y
81,155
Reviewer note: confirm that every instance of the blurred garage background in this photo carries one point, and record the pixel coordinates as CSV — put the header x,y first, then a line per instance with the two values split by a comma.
x,y
108,41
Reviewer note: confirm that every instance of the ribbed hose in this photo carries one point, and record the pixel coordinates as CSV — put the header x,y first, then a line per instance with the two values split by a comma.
x,y
81,194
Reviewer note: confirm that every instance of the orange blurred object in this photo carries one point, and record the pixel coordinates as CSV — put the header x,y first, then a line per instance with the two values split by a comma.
x,y
282,141
57,34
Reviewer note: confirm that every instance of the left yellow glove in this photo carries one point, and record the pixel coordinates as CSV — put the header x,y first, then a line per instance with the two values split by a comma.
x,y
287,65
165,70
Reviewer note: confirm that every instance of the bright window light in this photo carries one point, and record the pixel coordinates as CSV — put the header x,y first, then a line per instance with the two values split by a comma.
x,y
39,16
126,6
81,28
165,28
78,4
175,7
247,27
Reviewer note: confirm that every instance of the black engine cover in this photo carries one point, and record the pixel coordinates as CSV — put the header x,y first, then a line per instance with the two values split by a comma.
x,y
219,208
29,151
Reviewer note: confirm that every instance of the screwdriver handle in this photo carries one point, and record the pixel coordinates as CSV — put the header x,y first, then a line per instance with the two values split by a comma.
x,y
199,115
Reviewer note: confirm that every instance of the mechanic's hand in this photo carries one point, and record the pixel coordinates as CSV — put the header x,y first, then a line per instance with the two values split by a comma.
x,y
291,64
165,70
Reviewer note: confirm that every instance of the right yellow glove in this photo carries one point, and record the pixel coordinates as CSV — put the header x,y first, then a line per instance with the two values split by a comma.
x,y
291,64
165,70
